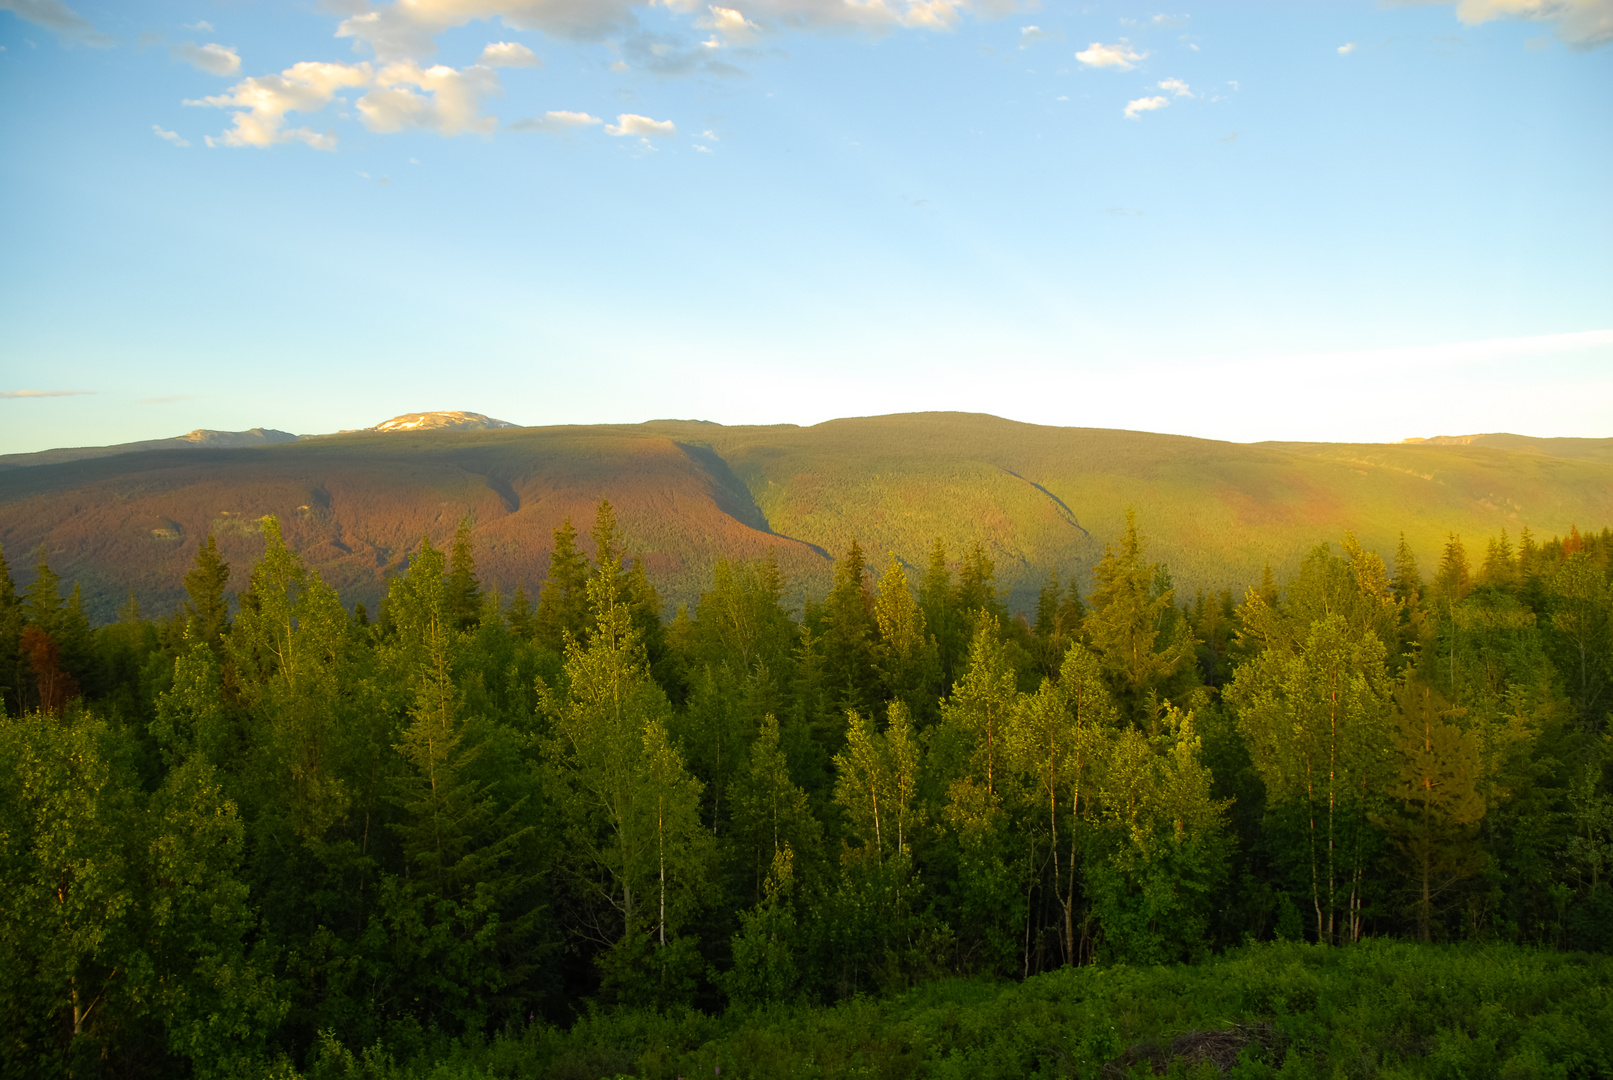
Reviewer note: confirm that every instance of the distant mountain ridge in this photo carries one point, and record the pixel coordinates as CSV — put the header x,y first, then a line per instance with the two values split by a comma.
x,y
1039,499
201,437
1584,449
448,420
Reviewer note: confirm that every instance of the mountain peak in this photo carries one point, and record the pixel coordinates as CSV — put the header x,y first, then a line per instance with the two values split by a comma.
x,y
452,419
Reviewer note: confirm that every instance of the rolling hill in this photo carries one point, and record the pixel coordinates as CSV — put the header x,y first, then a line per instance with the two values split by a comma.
x,y
1039,498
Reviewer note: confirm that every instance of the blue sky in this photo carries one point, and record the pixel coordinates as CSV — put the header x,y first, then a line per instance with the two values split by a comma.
x,y
1332,220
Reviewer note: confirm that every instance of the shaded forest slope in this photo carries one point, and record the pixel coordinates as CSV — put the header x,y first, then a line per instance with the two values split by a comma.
x,y
1038,498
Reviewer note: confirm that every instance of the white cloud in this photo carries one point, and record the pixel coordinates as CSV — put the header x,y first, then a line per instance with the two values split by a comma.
x,y
263,101
42,393
213,59
1347,48
59,19
702,149
1177,87
633,124
733,26
710,135
556,121
1029,35
1136,108
407,28
1582,24
440,99
508,54
1120,56
171,136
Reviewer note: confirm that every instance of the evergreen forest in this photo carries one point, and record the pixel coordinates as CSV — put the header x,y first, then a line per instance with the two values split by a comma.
x,y
1354,822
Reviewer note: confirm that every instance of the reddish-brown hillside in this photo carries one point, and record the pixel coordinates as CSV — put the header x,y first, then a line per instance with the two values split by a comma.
x,y
1038,498
356,505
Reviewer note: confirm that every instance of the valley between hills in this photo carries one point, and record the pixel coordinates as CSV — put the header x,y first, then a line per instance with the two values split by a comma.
x,y
1040,499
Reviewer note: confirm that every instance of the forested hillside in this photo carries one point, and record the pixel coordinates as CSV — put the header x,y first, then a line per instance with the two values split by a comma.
x,y
1037,499
557,833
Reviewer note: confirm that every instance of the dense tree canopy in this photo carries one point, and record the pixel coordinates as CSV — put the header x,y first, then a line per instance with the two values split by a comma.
x,y
268,829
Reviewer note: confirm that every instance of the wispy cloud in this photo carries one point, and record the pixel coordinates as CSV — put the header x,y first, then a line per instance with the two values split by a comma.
x,y
1177,87
171,136
1119,56
1136,108
508,54
213,59
1580,24
730,26
633,124
556,121
60,20
1030,35
42,393
1347,48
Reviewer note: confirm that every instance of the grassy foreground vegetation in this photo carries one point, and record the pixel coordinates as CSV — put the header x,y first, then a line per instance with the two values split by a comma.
x,y
1284,1009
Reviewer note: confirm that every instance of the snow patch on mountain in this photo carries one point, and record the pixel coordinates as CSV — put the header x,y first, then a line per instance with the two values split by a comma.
x,y
442,421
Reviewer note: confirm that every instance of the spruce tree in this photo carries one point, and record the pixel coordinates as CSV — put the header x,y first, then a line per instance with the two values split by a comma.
x,y
207,608
43,603
849,634
464,597
563,603
12,618
941,613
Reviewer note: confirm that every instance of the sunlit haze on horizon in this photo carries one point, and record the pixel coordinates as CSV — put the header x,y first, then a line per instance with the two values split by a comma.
x,y
1339,221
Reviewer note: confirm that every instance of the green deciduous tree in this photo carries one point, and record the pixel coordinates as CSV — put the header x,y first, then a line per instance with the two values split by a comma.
x,y
1313,705
636,854
288,647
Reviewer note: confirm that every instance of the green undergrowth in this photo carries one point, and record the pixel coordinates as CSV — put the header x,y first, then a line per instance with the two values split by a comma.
x,y
1379,1009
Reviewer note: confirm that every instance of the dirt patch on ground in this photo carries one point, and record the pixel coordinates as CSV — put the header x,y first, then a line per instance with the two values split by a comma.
x,y
1220,1048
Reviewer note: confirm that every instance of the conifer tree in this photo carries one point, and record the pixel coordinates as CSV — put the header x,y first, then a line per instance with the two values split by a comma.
x,y
1500,569
941,615
977,585
520,615
772,815
207,608
849,634
1435,781
1133,626
43,603
464,595
12,617
1408,583
563,602
907,663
